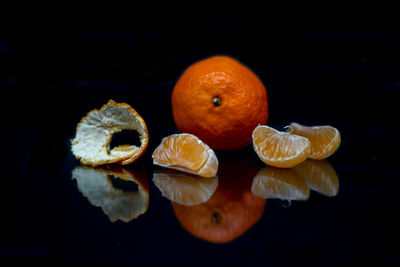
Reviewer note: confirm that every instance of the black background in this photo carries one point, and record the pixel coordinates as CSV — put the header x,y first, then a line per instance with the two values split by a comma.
x,y
344,76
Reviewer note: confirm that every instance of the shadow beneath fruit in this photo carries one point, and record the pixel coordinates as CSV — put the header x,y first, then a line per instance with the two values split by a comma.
x,y
121,193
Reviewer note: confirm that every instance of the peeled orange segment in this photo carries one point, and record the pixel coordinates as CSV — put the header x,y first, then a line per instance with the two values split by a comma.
x,y
94,132
319,175
183,188
187,153
324,139
280,149
97,186
278,183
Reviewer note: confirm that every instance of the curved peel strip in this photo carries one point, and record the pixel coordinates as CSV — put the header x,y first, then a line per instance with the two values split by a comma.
x,y
95,130
186,152
280,149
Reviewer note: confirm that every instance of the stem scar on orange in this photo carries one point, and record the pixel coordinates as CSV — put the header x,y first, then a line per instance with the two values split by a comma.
x,y
220,101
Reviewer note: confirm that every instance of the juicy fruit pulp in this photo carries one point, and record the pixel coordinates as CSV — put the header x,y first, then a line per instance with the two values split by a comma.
x,y
280,149
187,153
324,139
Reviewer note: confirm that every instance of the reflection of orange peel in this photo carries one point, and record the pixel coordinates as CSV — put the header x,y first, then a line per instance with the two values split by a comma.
x,y
94,132
184,188
95,184
284,184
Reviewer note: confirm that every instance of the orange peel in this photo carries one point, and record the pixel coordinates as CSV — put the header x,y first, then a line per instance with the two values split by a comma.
x,y
94,132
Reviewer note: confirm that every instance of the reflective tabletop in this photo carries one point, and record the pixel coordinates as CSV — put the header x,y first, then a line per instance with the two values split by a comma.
x,y
338,210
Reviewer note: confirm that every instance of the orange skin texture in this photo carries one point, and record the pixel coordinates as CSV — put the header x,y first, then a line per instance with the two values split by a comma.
x,y
237,208
243,96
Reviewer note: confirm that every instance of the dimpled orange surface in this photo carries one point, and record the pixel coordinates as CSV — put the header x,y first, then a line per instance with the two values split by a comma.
x,y
221,101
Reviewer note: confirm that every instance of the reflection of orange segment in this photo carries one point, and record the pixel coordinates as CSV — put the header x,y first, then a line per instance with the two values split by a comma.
x,y
187,153
94,133
279,149
279,183
184,188
324,139
320,176
230,211
96,185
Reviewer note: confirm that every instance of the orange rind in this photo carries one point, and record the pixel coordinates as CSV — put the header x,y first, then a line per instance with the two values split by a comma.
x,y
186,152
95,184
184,188
94,132
280,149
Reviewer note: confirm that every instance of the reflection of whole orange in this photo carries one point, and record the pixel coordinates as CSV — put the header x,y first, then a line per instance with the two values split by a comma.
x,y
231,210
220,101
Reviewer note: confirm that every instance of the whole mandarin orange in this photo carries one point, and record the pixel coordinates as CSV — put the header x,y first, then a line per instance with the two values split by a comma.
x,y
220,101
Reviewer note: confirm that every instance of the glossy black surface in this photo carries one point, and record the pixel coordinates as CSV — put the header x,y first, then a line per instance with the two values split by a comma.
x,y
344,77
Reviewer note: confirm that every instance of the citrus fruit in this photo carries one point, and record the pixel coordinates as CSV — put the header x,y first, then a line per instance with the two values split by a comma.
x,y
187,153
97,186
220,101
280,149
232,209
94,132
320,176
184,188
324,139
279,183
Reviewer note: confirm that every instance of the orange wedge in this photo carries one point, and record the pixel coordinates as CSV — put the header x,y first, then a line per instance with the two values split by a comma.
x,y
97,186
278,183
320,176
94,132
187,153
324,139
280,149
184,188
